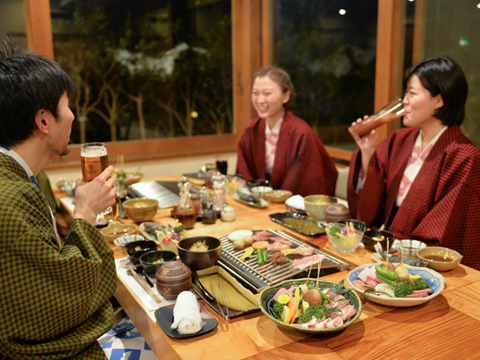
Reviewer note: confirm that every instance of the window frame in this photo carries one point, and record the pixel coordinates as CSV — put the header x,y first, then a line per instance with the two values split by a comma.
x,y
251,26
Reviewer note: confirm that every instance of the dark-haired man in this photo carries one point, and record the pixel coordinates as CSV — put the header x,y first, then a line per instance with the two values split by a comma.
x,y
54,301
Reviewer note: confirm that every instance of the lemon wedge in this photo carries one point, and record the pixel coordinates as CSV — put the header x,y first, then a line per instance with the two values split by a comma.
x,y
285,315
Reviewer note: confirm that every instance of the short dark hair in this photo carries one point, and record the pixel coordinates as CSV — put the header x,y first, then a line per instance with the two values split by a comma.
x,y
28,83
278,75
442,75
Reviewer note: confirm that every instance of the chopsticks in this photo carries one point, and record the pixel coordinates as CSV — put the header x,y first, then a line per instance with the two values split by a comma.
x,y
131,271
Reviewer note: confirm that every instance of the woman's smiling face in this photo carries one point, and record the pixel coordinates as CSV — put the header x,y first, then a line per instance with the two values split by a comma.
x,y
268,98
419,104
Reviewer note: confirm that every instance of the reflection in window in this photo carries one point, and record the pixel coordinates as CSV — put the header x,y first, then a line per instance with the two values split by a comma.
x,y
328,47
146,69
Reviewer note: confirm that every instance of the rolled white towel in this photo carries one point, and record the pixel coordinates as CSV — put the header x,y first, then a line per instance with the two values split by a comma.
x,y
186,314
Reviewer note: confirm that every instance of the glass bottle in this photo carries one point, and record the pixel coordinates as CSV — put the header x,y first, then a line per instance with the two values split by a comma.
x,y
218,192
196,203
204,200
185,212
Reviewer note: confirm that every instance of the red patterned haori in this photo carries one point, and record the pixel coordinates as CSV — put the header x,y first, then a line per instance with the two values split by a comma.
x,y
442,206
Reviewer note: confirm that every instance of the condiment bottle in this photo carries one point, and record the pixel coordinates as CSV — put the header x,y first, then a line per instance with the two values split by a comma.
x,y
185,212
218,192
204,200
388,113
196,203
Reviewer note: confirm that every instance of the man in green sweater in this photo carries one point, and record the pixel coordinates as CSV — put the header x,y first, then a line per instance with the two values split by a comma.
x,y
54,299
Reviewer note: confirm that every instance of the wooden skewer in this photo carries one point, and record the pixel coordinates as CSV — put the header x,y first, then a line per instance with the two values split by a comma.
x,y
318,275
309,271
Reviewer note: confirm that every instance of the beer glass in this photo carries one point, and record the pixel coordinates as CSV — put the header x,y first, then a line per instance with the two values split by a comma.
x,y
391,111
94,160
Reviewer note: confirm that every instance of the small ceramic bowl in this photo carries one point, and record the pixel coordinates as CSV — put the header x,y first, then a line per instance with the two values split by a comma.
x,y
278,196
115,230
260,191
382,237
122,240
257,182
172,278
140,210
336,212
316,206
136,249
197,260
148,259
410,247
440,258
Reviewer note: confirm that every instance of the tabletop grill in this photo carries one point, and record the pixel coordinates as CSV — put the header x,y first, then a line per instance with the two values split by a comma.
x,y
258,277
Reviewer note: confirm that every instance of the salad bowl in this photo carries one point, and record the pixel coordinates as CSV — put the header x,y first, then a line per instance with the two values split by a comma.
x,y
436,281
266,302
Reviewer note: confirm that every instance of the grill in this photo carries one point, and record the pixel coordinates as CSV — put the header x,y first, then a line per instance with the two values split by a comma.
x,y
258,277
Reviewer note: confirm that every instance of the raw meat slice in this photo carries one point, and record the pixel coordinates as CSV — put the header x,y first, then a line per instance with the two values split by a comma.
x,y
306,261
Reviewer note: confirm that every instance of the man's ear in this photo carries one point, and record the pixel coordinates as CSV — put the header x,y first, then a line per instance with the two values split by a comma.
x,y
42,122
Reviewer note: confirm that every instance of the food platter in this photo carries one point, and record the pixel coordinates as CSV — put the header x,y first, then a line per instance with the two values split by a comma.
x,y
266,302
436,281
260,204
298,223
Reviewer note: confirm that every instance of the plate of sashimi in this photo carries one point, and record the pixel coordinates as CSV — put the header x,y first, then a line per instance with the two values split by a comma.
x,y
397,285
307,306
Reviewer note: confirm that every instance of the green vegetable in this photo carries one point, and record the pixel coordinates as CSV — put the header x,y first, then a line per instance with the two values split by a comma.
x,y
278,307
320,312
262,256
335,231
421,284
179,228
392,275
387,280
310,287
404,289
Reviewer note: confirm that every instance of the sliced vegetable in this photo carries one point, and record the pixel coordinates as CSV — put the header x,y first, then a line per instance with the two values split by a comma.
x,y
289,252
248,253
239,234
260,245
387,280
284,299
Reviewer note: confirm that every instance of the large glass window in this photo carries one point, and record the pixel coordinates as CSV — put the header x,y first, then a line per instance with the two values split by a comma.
x,y
452,28
328,47
146,69
12,21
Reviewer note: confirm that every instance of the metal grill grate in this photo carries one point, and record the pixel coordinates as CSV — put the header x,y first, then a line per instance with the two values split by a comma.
x,y
258,276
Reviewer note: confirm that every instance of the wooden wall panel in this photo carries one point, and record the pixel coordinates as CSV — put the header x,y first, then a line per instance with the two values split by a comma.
x,y
39,26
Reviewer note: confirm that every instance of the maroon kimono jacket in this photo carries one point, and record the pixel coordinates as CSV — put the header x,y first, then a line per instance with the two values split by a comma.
x,y
302,164
442,206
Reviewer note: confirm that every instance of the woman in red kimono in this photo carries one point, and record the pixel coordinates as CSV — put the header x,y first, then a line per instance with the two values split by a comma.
x,y
423,182
280,147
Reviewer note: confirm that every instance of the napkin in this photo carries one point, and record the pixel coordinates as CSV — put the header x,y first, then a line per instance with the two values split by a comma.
x,y
296,202
186,314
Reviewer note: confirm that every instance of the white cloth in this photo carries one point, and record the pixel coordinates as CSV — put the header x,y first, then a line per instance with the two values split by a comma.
x,y
271,140
186,314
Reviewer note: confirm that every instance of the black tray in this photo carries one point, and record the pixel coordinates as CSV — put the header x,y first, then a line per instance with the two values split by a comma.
x,y
164,317
297,219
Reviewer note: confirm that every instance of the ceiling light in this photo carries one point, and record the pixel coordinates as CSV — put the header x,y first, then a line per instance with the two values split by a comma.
x,y
342,11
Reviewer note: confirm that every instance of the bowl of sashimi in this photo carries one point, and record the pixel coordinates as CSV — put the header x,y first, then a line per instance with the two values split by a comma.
x,y
398,285
302,306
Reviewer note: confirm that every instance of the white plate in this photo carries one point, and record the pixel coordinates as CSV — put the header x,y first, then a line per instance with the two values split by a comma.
x,y
147,235
260,204
436,281
296,202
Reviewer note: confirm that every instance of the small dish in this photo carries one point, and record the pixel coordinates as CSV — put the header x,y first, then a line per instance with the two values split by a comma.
x,y
436,281
257,182
260,191
148,236
141,209
316,205
382,237
148,259
164,317
343,238
436,256
278,196
122,240
135,249
258,204
298,223
115,230
410,247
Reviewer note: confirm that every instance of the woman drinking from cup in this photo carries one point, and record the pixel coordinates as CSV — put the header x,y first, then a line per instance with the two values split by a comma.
x,y
423,182
280,147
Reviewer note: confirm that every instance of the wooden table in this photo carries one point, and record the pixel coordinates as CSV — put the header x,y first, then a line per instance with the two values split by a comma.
x,y
446,327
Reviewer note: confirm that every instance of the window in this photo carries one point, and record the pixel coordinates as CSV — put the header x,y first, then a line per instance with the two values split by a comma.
x,y
328,48
146,69
12,21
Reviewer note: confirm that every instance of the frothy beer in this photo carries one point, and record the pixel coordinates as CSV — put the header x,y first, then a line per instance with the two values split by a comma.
x,y
94,160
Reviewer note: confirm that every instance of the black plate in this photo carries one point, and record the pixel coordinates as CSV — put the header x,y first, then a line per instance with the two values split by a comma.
x,y
164,317
301,221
